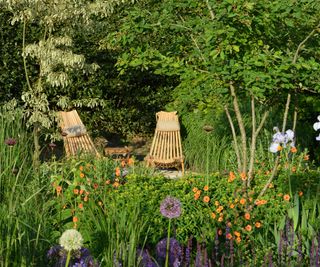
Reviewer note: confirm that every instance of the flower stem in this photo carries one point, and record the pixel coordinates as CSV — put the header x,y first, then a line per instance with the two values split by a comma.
x,y
68,258
168,244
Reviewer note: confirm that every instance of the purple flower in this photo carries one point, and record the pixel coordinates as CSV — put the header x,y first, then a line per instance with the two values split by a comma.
x,y
170,207
10,141
175,251
146,260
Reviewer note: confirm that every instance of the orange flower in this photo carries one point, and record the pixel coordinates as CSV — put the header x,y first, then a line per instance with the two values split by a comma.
x,y
80,205
294,169
286,197
247,216
229,236
219,209
213,215
115,184
236,233
95,185
59,189
238,239
279,148
76,191
306,157
263,201
231,206
81,168
257,224
196,196
108,182
293,149
81,175
248,227
206,188
216,203
271,185
194,190
231,177
220,218
300,194
257,202
242,201
75,219
130,161
85,199
243,176
206,199
118,172
123,163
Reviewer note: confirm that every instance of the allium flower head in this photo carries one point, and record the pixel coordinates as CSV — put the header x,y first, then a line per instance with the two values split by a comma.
x,y
71,240
316,127
170,207
10,141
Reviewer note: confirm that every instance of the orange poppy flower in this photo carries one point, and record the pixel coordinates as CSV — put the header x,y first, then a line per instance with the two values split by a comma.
x,y
220,218
81,168
293,149
248,227
196,196
306,157
219,209
271,185
247,216
194,190
81,191
81,175
257,224
130,161
80,206
231,206
279,148
242,201
75,219
206,199
115,184
229,236
238,239
206,188
286,197
213,215
108,182
294,169
257,202
243,176
118,171
216,203
300,194
76,191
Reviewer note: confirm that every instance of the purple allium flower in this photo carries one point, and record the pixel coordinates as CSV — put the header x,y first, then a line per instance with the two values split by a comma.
x,y
175,251
146,260
170,207
10,141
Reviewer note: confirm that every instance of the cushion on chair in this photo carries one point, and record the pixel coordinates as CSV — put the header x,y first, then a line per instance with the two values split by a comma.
x,y
76,130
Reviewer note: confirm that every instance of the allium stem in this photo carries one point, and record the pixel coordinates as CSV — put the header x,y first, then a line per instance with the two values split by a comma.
x,y
68,258
168,244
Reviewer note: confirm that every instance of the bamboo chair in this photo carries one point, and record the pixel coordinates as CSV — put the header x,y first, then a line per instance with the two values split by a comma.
x,y
75,137
166,148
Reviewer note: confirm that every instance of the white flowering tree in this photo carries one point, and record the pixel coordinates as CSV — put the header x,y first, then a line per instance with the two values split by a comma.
x,y
55,22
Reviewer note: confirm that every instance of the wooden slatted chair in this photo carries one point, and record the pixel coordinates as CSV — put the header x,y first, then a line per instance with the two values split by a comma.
x,y
75,137
166,148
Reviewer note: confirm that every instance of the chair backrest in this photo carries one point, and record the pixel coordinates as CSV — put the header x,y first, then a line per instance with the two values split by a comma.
x,y
75,136
166,146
